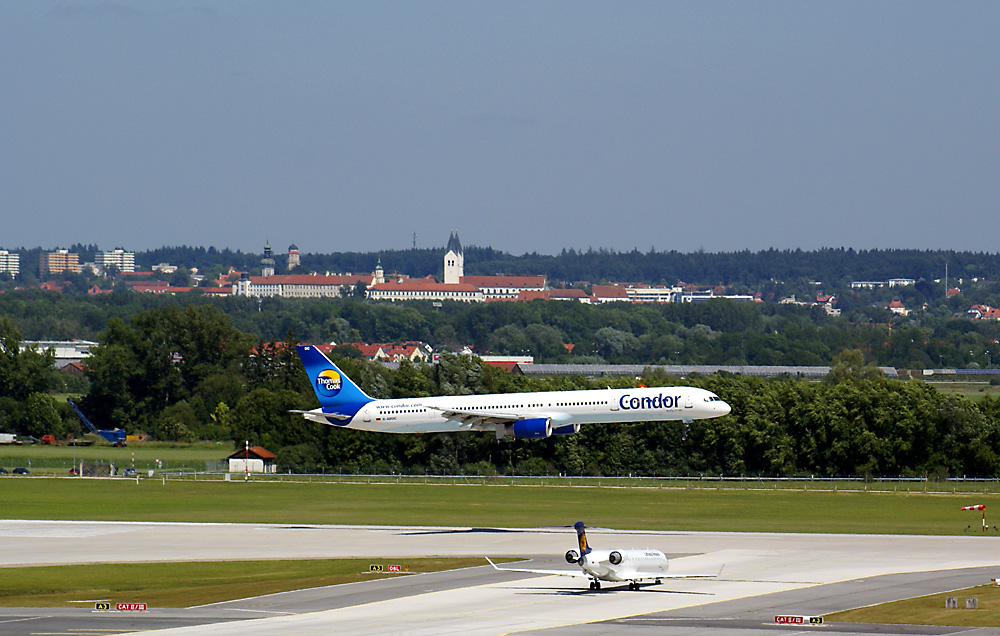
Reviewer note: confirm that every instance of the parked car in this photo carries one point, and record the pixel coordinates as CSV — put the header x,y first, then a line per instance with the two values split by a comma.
x,y
129,472
21,471
3,471
73,472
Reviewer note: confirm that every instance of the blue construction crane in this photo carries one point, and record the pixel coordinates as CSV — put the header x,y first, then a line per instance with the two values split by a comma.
x,y
116,436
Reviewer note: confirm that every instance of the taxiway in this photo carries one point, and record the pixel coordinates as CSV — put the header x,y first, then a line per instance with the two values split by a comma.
x,y
764,574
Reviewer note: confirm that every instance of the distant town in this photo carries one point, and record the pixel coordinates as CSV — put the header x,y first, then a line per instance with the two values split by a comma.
x,y
116,269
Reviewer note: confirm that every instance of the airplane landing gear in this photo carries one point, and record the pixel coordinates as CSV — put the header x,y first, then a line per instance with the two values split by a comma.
x,y
632,585
595,585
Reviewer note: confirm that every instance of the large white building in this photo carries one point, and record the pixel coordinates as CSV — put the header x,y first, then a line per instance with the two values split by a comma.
x,y
10,263
118,258
65,351
456,285
298,285
504,287
425,289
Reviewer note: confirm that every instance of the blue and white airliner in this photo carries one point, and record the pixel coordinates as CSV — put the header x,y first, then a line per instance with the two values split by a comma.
x,y
518,415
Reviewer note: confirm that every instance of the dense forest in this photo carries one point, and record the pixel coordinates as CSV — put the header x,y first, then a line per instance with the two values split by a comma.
x,y
713,332
186,373
194,367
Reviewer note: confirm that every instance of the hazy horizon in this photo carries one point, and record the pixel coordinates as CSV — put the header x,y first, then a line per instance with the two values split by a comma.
x,y
529,127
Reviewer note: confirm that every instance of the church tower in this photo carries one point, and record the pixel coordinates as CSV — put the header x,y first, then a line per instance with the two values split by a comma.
x,y
293,256
267,263
454,261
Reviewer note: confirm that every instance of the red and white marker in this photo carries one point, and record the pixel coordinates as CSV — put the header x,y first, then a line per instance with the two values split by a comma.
x,y
978,507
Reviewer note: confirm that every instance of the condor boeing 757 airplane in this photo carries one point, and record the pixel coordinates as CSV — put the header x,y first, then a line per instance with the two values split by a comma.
x,y
518,415
634,566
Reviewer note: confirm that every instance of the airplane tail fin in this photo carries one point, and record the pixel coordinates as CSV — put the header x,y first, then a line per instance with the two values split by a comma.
x,y
581,536
332,386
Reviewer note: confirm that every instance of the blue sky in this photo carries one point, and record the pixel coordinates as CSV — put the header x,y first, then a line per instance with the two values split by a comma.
x,y
527,126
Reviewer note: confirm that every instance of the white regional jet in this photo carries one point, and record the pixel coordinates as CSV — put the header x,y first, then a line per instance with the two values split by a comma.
x,y
619,566
518,415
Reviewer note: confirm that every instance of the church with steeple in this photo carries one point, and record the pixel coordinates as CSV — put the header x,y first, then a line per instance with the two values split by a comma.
x,y
456,285
454,261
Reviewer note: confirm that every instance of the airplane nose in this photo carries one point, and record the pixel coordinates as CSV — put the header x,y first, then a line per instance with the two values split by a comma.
x,y
725,408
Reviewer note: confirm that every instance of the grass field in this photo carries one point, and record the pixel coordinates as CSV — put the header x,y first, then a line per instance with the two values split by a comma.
x,y
475,505
187,584
57,460
971,389
489,505
930,610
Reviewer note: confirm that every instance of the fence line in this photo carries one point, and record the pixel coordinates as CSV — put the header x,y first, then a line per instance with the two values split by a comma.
x,y
950,485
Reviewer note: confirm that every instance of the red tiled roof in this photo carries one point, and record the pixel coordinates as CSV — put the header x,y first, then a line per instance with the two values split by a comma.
x,y
256,452
160,289
609,291
310,279
552,294
217,291
367,350
423,284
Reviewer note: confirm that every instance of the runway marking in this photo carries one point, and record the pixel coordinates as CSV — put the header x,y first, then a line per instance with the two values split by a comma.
x,y
673,609
19,620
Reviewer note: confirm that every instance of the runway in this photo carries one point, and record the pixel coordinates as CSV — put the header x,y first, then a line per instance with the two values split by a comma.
x,y
764,574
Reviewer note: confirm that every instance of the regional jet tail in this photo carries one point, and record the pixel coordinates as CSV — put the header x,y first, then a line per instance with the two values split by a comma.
x,y
518,415
619,566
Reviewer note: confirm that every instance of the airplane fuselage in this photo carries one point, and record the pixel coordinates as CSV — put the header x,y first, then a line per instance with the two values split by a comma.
x,y
600,564
566,410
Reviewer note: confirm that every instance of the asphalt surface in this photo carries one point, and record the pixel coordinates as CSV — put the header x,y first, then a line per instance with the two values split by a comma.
x,y
765,575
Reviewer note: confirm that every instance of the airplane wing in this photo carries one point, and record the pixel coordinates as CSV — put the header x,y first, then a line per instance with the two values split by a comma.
x,y
671,575
624,576
577,573
476,420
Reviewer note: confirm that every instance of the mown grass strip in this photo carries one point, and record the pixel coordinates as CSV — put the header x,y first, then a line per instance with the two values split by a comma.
x,y
187,584
930,610
485,506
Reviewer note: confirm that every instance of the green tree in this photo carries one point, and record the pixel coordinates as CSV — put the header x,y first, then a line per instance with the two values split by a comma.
x,y
23,371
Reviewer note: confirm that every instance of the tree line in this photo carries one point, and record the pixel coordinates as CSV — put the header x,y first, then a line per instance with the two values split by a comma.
x,y
711,332
187,373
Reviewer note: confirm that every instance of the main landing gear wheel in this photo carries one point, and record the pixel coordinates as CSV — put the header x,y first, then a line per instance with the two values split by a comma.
x,y
632,585
595,585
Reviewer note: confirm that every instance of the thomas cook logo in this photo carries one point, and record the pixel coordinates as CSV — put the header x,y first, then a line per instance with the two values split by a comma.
x,y
328,382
